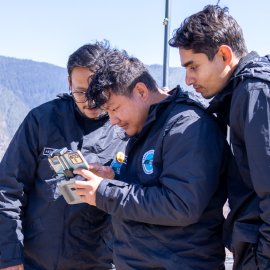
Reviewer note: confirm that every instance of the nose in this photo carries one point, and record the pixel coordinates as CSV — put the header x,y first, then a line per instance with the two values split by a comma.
x,y
189,79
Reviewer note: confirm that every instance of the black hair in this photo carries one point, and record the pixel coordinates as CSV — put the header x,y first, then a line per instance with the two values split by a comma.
x,y
205,31
87,56
119,73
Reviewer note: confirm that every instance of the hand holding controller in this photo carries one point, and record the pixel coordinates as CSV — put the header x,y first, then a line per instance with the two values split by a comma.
x,y
63,162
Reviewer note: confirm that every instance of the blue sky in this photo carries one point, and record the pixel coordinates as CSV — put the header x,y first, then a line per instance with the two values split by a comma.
x,y
50,30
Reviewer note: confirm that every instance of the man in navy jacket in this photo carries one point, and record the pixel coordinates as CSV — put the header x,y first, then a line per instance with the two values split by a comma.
x,y
39,230
213,51
167,206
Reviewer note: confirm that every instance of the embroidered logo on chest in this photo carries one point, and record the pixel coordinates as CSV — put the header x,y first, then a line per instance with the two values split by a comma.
x,y
47,151
147,162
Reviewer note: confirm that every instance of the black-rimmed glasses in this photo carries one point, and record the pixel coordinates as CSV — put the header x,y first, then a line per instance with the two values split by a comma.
x,y
79,96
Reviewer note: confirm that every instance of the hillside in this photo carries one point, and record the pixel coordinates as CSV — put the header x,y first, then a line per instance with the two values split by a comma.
x,y
25,84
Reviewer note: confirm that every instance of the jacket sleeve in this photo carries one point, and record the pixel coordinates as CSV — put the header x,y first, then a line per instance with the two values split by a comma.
x,y
192,160
257,140
17,170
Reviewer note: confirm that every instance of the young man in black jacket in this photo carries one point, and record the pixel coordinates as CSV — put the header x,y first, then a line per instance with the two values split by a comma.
x,y
213,51
167,206
39,230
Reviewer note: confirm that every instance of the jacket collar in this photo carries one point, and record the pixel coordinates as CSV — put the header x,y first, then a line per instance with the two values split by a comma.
x,y
221,102
156,110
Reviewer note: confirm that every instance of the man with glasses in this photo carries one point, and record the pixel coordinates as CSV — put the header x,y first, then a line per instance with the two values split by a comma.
x,y
39,230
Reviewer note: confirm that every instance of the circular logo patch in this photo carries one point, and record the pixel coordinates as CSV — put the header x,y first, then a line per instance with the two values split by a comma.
x,y
147,162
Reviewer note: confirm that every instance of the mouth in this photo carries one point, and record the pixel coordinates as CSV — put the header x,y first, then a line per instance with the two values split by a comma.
x,y
91,109
197,88
123,126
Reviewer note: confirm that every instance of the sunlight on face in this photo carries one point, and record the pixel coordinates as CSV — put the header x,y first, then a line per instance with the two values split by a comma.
x,y
128,113
207,77
79,83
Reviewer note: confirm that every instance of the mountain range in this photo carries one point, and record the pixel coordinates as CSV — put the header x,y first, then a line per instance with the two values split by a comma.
x,y
25,84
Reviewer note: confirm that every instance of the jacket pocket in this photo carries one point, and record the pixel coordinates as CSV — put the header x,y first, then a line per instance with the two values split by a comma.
x,y
48,189
245,232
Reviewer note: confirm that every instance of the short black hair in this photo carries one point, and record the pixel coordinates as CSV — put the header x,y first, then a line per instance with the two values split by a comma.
x,y
205,31
119,73
87,56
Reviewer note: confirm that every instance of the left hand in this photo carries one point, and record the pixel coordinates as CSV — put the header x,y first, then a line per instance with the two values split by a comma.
x,y
87,189
102,171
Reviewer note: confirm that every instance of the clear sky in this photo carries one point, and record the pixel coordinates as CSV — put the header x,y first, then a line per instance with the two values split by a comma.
x,y
50,30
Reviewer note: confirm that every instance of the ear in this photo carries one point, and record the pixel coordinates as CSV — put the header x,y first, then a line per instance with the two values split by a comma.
x,y
69,82
226,53
141,91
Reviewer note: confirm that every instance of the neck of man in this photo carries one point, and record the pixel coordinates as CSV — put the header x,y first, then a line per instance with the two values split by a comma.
x,y
158,96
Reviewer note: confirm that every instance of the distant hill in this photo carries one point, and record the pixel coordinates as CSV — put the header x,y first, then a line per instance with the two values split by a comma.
x,y
32,82
176,76
25,84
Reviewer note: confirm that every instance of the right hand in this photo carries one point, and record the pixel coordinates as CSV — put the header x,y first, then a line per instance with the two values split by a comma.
x,y
15,267
101,171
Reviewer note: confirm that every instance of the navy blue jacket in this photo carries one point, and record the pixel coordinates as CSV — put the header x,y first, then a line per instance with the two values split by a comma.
x,y
245,106
38,228
167,208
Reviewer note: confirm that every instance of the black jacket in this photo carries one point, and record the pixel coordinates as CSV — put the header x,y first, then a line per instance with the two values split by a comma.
x,y
167,210
33,214
245,106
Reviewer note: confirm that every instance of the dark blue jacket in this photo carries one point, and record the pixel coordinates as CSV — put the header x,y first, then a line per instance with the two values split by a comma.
x,y
245,106
38,228
167,210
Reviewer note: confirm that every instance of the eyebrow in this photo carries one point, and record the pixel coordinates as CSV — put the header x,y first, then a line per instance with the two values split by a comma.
x,y
188,63
106,106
